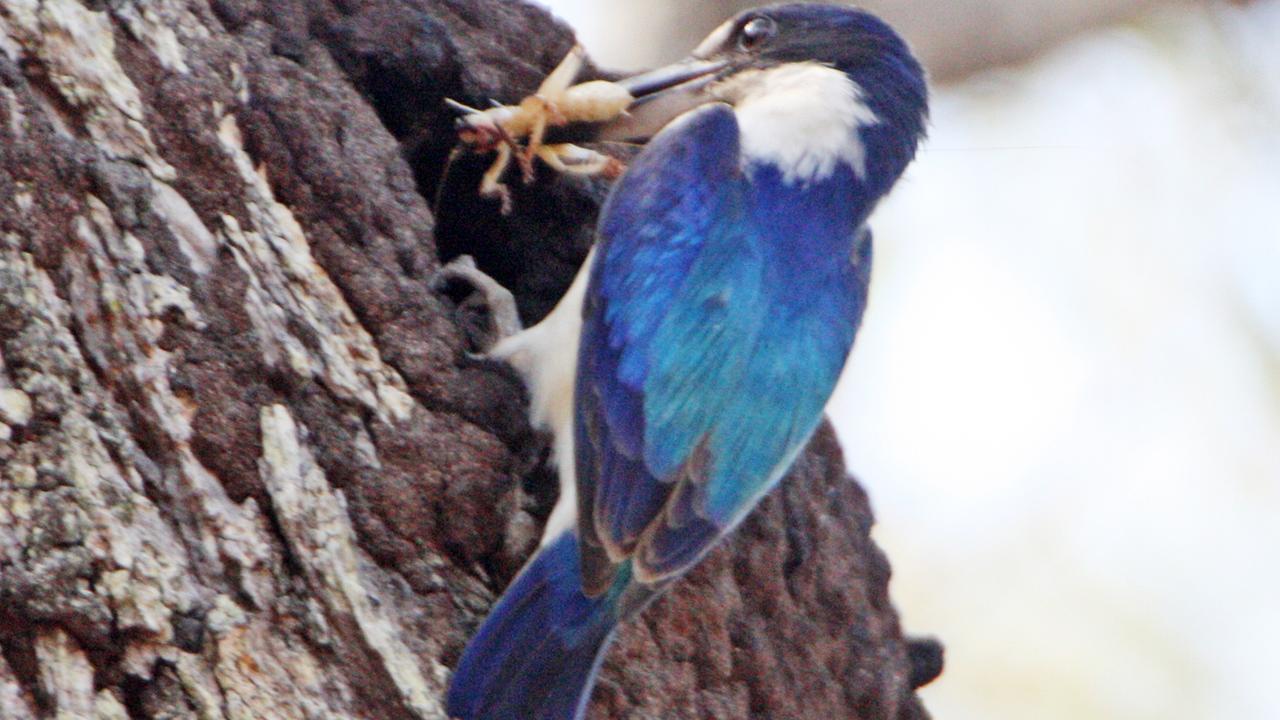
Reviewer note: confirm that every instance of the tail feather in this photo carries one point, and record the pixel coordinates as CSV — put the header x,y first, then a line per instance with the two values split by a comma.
x,y
537,654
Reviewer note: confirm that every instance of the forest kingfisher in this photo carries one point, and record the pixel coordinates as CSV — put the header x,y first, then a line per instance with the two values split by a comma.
x,y
692,357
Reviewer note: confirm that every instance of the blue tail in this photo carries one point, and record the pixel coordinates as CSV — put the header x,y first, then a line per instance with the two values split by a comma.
x,y
536,656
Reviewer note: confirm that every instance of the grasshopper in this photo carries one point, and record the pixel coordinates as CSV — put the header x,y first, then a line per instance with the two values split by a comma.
x,y
503,129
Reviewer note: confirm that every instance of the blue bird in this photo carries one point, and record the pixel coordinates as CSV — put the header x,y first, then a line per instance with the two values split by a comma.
x,y
692,358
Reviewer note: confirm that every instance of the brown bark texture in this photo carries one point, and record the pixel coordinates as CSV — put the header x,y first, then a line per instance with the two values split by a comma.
x,y
250,466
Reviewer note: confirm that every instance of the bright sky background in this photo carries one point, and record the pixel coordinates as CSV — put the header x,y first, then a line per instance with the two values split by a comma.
x,y
1065,400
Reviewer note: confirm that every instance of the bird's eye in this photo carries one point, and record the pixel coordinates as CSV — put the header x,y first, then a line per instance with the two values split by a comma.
x,y
755,33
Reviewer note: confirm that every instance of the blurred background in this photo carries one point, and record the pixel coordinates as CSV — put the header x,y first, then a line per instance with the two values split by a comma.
x,y
1065,401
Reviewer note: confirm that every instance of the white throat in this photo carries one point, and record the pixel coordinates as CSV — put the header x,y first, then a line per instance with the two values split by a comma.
x,y
802,117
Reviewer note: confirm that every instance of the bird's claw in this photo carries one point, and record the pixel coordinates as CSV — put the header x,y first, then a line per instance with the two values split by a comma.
x,y
501,304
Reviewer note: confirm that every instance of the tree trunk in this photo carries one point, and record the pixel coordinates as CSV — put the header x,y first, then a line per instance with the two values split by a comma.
x,y
250,468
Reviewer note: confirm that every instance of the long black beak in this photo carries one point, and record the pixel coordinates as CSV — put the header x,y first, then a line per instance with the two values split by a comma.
x,y
648,84
660,96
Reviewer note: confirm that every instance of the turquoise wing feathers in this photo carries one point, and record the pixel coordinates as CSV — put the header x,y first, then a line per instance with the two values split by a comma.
x,y
702,370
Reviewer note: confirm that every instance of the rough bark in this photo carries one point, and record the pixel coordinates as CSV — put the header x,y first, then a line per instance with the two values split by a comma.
x,y
249,468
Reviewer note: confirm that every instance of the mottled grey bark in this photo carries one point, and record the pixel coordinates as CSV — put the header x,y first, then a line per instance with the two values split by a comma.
x,y
249,469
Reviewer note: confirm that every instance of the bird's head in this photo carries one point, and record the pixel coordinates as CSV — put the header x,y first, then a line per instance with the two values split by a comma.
x,y
813,85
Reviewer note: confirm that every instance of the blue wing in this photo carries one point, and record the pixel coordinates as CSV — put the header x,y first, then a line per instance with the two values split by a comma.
x,y
703,366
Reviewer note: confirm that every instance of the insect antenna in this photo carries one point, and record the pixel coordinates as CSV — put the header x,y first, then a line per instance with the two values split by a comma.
x,y
444,178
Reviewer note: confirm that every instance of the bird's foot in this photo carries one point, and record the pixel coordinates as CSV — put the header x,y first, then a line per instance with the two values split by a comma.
x,y
516,132
499,303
